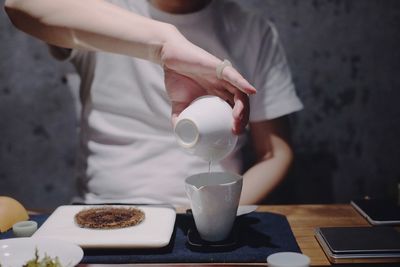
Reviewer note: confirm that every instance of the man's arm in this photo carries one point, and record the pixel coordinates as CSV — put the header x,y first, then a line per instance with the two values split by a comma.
x,y
91,25
273,158
101,26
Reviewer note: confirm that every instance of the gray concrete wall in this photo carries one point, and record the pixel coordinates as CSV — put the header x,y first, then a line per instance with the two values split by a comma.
x,y
37,122
345,61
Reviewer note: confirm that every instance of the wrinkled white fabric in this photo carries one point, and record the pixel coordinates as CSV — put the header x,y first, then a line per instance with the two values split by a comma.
x,y
128,151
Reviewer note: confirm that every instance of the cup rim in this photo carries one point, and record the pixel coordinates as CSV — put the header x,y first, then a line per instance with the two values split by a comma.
x,y
179,139
237,178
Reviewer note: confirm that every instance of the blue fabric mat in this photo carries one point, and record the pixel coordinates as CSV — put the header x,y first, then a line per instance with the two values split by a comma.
x,y
257,236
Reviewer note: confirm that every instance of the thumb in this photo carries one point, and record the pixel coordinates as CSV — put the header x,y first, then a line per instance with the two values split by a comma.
x,y
177,108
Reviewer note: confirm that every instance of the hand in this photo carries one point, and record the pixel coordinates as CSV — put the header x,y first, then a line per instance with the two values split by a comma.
x,y
190,72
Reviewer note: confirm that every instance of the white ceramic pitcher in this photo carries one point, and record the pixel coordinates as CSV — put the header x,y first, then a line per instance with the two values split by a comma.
x,y
214,199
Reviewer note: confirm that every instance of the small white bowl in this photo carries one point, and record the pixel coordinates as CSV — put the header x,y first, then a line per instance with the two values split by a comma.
x,y
204,128
24,228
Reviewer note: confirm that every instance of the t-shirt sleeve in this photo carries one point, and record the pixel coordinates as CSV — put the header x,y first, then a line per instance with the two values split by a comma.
x,y
276,95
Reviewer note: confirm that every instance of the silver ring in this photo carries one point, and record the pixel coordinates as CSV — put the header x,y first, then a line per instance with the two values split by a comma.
x,y
221,67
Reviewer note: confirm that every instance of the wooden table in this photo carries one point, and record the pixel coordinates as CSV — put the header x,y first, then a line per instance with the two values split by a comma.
x,y
303,220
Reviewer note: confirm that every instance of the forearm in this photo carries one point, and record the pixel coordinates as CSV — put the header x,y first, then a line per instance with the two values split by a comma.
x,y
263,177
189,71
91,25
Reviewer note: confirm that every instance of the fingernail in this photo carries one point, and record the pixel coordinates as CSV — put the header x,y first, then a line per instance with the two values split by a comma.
x,y
253,90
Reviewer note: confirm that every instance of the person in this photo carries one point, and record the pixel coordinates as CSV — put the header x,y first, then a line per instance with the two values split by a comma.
x,y
141,64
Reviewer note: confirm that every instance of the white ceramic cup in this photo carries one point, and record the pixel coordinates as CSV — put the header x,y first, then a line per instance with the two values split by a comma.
x,y
25,228
214,199
288,259
204,128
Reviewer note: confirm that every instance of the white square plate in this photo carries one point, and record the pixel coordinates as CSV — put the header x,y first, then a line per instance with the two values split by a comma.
x,y
153,232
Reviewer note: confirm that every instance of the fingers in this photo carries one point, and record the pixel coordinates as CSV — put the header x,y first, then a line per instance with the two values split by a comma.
x,y
239,101
238,87
232,87
241,112
233,77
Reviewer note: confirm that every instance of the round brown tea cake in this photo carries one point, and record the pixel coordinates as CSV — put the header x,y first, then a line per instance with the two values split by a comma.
x,y
109,217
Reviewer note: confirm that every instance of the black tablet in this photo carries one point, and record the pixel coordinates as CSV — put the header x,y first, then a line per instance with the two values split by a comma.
x,y
378,211
344,244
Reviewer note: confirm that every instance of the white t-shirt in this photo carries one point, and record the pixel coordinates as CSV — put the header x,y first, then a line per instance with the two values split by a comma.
x,y
128,151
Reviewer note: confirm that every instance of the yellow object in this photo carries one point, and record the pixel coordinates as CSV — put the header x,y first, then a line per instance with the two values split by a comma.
x,y
11,212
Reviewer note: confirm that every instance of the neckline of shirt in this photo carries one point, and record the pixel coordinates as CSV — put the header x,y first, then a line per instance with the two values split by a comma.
x,y
180,18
